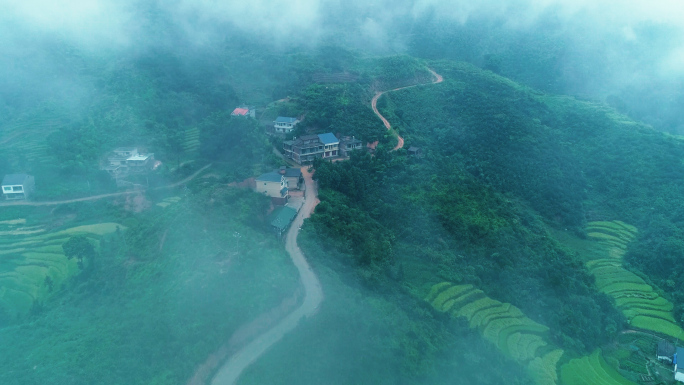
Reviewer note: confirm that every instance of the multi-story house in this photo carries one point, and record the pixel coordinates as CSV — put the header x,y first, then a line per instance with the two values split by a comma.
x,y
127,160
284,124
274,185
309,147
349,144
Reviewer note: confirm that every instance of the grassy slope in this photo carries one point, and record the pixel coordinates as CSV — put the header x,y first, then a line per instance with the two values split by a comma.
x,y
363,337
150,317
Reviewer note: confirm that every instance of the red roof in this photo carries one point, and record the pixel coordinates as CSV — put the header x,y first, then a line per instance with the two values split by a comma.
x,y
372,145
240,111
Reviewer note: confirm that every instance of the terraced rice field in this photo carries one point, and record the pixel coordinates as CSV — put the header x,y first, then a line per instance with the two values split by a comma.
x,y
502,324
643,307
28,257
168,201
24,138
192,142
614,235
591,370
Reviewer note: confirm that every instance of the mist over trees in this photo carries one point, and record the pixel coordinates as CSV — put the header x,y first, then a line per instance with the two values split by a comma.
x,y
539,203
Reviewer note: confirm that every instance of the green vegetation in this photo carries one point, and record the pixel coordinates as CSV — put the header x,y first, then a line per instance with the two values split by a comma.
x,y
591,369
503,325
30,269
400,71
360,336
504,163
496,210
165,285
544,369
154,305
340,108
412,222
643,307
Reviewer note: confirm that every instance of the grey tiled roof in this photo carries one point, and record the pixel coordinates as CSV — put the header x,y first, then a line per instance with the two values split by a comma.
x,y
14,179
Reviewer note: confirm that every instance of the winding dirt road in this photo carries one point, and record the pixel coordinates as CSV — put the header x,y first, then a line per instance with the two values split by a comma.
x,y
374,102
101,196
229,373
313,296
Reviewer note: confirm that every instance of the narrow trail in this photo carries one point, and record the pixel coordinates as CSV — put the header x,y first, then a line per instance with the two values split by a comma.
x,y
231,370
374,102
102,196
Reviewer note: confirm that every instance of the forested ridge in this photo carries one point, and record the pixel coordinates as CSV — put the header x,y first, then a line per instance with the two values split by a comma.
x,y
505,168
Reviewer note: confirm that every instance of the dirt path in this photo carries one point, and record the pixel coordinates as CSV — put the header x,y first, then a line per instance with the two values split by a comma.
x,y
101,196
374,102
313,296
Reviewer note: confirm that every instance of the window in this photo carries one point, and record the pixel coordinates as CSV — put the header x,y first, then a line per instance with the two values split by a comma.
x,y
7,188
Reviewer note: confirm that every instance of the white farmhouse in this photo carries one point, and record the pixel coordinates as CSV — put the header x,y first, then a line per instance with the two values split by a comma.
x,y
18,186
274,185
284,124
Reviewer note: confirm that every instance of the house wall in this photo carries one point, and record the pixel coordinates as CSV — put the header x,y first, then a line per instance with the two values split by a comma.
x,y
126,154
665,358
271,189
331,150
292,182
29,186
278,201
20,191
284,127
679,376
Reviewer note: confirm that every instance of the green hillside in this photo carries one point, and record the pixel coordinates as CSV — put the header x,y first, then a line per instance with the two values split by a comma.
x,y
504,168
509,249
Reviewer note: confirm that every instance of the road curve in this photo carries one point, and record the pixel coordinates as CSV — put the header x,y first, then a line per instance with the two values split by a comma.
x,y
374,102
229,373
101,196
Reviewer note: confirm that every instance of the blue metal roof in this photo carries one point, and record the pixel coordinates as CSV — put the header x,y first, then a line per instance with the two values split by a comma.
x,y
328,138
284,119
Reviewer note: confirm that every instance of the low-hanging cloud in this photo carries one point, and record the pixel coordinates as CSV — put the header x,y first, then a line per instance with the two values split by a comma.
x,y
86,23
110,22
635,41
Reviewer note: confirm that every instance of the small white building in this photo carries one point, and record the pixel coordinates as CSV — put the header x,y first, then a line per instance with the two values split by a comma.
x,y
18,186
284,124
